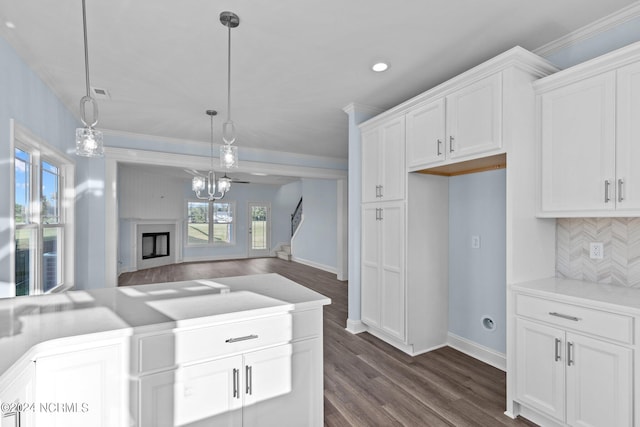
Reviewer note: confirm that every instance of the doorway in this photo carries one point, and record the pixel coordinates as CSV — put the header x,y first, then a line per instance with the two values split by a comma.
x,y
259,229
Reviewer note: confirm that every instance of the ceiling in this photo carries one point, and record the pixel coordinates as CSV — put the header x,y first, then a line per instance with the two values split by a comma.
x,y
295,64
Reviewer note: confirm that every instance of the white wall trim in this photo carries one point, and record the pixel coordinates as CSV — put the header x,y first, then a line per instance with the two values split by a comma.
x,y
159,158
213,258
314,264
478,351
590,30
355,326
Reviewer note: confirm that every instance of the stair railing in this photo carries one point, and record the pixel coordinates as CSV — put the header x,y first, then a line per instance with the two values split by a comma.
x,y
296,217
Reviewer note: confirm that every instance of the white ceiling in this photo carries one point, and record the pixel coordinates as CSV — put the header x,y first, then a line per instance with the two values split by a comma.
x,y
295,64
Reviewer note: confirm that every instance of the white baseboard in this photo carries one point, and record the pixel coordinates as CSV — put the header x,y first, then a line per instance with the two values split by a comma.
x,y
477,351
213,258
314,264
355,326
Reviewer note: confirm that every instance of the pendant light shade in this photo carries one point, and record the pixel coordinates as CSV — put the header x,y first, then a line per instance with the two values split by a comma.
x,y
89,141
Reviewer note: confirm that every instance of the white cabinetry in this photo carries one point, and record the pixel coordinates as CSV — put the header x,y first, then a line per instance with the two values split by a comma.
x,y
82,386
383,265
588,138
19,395
464,124
574,364
268,374
383,163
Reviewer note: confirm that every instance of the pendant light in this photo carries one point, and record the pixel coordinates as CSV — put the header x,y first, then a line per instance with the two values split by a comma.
x,y
89,141
199,183
229,153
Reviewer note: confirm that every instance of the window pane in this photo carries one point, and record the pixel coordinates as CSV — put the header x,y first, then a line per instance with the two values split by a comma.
x,y
51,261
49,194
22,183
258,227
222,222
24,261
197,222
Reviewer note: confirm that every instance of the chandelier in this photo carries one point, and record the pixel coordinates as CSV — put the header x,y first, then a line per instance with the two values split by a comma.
x,y
88,140
216,189
229,153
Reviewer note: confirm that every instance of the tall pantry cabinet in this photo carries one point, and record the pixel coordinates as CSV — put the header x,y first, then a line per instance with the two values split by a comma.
x,y
475,121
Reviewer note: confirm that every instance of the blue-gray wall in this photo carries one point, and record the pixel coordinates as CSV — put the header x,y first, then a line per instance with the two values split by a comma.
x,y
477,277
25,98
316,239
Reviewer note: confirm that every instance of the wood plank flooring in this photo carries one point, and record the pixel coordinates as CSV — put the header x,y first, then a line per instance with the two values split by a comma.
x,y
368,382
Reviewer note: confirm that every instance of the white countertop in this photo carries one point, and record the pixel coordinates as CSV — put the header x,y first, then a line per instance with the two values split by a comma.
x,y
41,321
589,293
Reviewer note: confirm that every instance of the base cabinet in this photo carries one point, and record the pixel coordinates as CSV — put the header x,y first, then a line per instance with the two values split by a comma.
x,y
567,375
20,391
278,386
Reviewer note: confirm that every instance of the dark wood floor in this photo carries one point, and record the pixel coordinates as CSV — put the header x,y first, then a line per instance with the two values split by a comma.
x,y
368,382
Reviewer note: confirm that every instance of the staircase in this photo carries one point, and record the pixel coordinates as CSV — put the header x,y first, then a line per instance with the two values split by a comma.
x,y
284,252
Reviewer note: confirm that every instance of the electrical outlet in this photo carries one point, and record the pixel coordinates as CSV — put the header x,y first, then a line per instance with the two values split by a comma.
x,y
596,250
475,242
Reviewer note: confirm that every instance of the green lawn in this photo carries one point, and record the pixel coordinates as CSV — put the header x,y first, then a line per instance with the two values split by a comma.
x,y
199,233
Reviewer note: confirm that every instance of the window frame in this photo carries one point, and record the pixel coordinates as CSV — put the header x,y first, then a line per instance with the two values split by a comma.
x,y
40,151
231,225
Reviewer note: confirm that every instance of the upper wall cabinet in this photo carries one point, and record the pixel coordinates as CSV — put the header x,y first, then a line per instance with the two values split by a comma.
x,y
383,164
588,133
463,124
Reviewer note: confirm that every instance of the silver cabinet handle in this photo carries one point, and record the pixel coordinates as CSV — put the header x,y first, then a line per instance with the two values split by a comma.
x,y
620,186
563,316
381,218
607,184
245,338
451,139
249,379
558,342
381,191
438,144
570,354
236,382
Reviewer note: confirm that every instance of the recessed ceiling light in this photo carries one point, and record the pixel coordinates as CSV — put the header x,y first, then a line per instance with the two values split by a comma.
x,y
380,67
259,174
10,25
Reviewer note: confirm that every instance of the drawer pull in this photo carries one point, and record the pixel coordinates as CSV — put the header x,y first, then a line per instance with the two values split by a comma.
x,y
245,338
563,316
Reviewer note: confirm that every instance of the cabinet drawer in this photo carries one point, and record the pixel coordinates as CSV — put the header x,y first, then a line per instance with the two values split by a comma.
x,y
183,346
604,324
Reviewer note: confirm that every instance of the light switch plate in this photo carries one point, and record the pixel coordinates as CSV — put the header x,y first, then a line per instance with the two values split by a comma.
x,y
475,242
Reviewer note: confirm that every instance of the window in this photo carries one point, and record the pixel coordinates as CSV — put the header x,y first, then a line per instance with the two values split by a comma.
x,y
42,239
210,223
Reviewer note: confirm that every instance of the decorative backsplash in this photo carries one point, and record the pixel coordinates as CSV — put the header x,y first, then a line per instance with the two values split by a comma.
x,y
621,238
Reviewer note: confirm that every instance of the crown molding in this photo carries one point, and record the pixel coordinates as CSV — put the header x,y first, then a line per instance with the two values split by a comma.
x,y
590,30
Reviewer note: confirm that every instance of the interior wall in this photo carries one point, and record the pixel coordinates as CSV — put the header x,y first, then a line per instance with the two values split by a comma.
x,y
145,195
477,276
28,100
315,241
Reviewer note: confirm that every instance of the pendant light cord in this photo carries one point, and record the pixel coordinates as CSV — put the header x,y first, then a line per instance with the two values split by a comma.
x,y
211,153
228,71
86,48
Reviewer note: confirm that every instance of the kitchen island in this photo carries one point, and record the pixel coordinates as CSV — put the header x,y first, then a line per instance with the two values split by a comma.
x,y
230,351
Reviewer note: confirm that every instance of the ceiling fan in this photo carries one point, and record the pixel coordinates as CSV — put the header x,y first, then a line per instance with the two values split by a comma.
x,y
194,172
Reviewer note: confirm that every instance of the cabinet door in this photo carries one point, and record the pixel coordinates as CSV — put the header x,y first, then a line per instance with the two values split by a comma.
x,y
599,383
370,265
371,165
540,369
91,381
205,394
285,386
425,135
20,390
578,146
392,148
392,292
474,118
627,137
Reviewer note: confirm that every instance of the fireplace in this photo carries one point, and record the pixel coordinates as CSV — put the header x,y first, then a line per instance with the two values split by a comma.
x,y
155,245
